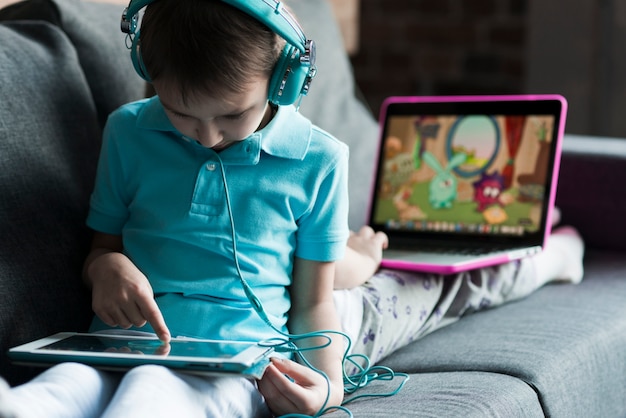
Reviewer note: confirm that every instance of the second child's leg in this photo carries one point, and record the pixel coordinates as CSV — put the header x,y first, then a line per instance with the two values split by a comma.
x,y
395,308
389,311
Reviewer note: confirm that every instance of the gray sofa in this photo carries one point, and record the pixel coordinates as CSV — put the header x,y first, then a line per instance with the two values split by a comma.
x,y
561,352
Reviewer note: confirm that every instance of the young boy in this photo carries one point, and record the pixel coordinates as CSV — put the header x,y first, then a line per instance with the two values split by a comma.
x,y
207,188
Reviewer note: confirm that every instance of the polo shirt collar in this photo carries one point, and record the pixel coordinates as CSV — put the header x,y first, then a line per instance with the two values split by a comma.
x,y
288,134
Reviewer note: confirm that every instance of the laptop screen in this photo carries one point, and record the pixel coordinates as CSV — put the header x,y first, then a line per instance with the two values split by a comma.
x,y
473,166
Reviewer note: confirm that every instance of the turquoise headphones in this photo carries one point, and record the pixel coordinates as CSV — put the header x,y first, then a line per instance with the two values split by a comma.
x,y
295,68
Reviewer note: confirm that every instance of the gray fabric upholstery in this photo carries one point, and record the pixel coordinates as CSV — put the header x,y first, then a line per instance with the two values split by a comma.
x,y
562,340
558,353
452,394
48,148
94,30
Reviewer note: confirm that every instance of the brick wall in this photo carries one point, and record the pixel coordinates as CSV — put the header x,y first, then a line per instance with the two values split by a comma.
x,y
423,47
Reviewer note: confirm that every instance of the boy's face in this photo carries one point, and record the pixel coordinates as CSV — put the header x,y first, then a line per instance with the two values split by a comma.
x,y
217,122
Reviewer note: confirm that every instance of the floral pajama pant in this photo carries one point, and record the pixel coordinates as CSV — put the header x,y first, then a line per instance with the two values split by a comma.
x,y
399,307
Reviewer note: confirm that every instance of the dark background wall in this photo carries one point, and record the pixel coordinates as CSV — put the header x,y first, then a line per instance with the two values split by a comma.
x,y
571,47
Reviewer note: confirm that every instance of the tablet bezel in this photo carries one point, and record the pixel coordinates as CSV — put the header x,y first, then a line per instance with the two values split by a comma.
x,y
34,353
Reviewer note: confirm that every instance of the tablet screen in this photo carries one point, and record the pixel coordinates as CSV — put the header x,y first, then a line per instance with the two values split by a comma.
x,y
140,346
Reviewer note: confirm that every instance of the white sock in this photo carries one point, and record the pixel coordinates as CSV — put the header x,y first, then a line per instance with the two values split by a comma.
x,y
562,258
7,407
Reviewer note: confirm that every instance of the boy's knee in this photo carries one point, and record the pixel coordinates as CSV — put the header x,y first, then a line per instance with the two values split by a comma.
x,y
80,378
70,367
73,372
148,371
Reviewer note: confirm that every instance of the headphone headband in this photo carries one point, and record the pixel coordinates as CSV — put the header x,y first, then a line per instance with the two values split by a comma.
x,y
267,11
295,68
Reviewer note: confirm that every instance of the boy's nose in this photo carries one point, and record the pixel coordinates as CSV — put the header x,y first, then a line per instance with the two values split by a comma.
x,y
208,134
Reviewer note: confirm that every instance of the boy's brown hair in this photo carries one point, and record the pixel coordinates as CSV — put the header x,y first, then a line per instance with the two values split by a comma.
x,y
206,46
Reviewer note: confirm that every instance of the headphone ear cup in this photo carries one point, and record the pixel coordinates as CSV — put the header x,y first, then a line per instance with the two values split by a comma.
x,y
135,56
288,78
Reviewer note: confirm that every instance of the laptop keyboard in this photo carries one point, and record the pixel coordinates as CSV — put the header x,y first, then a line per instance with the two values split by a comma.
x,y
451,251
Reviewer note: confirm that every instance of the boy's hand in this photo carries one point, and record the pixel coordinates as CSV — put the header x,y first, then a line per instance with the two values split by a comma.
x,y
304,395
122,295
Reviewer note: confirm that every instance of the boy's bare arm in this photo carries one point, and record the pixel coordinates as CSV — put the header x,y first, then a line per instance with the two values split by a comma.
x,y
363,255
313,309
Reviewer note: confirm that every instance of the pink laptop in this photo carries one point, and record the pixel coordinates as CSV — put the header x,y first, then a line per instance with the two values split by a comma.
x,y
466,182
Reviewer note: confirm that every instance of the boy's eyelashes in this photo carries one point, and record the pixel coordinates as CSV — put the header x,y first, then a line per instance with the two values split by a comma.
x,y
179,115
235,116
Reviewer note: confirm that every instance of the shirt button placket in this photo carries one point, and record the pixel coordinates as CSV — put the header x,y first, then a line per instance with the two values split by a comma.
x,y
208,195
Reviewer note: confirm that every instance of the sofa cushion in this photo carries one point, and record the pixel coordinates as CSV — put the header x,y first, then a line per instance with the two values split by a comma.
x,y
452,394
561,340
333,105
49,138
94,30
31,10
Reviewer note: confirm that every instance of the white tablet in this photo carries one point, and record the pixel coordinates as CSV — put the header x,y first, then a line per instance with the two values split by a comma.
x,y
120,351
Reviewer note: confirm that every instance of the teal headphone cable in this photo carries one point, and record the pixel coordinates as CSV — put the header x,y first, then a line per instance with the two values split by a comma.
x,y
365,374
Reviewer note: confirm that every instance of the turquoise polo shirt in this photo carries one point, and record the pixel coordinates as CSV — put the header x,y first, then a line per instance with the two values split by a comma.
x,y
282,190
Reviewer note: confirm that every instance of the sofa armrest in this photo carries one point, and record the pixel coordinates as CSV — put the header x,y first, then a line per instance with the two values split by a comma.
x,y
590,192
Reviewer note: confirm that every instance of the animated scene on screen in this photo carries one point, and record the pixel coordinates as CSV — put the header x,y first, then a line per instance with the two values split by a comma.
x,y
469,174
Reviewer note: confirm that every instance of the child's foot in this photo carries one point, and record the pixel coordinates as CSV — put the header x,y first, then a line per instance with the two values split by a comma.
x,y
568,242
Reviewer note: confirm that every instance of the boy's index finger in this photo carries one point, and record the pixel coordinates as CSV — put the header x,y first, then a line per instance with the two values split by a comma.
x,y
153,315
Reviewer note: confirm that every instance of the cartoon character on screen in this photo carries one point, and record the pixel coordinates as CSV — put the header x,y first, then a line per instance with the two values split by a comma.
x,y
398,166
407,211
487,190
490,197
443,186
